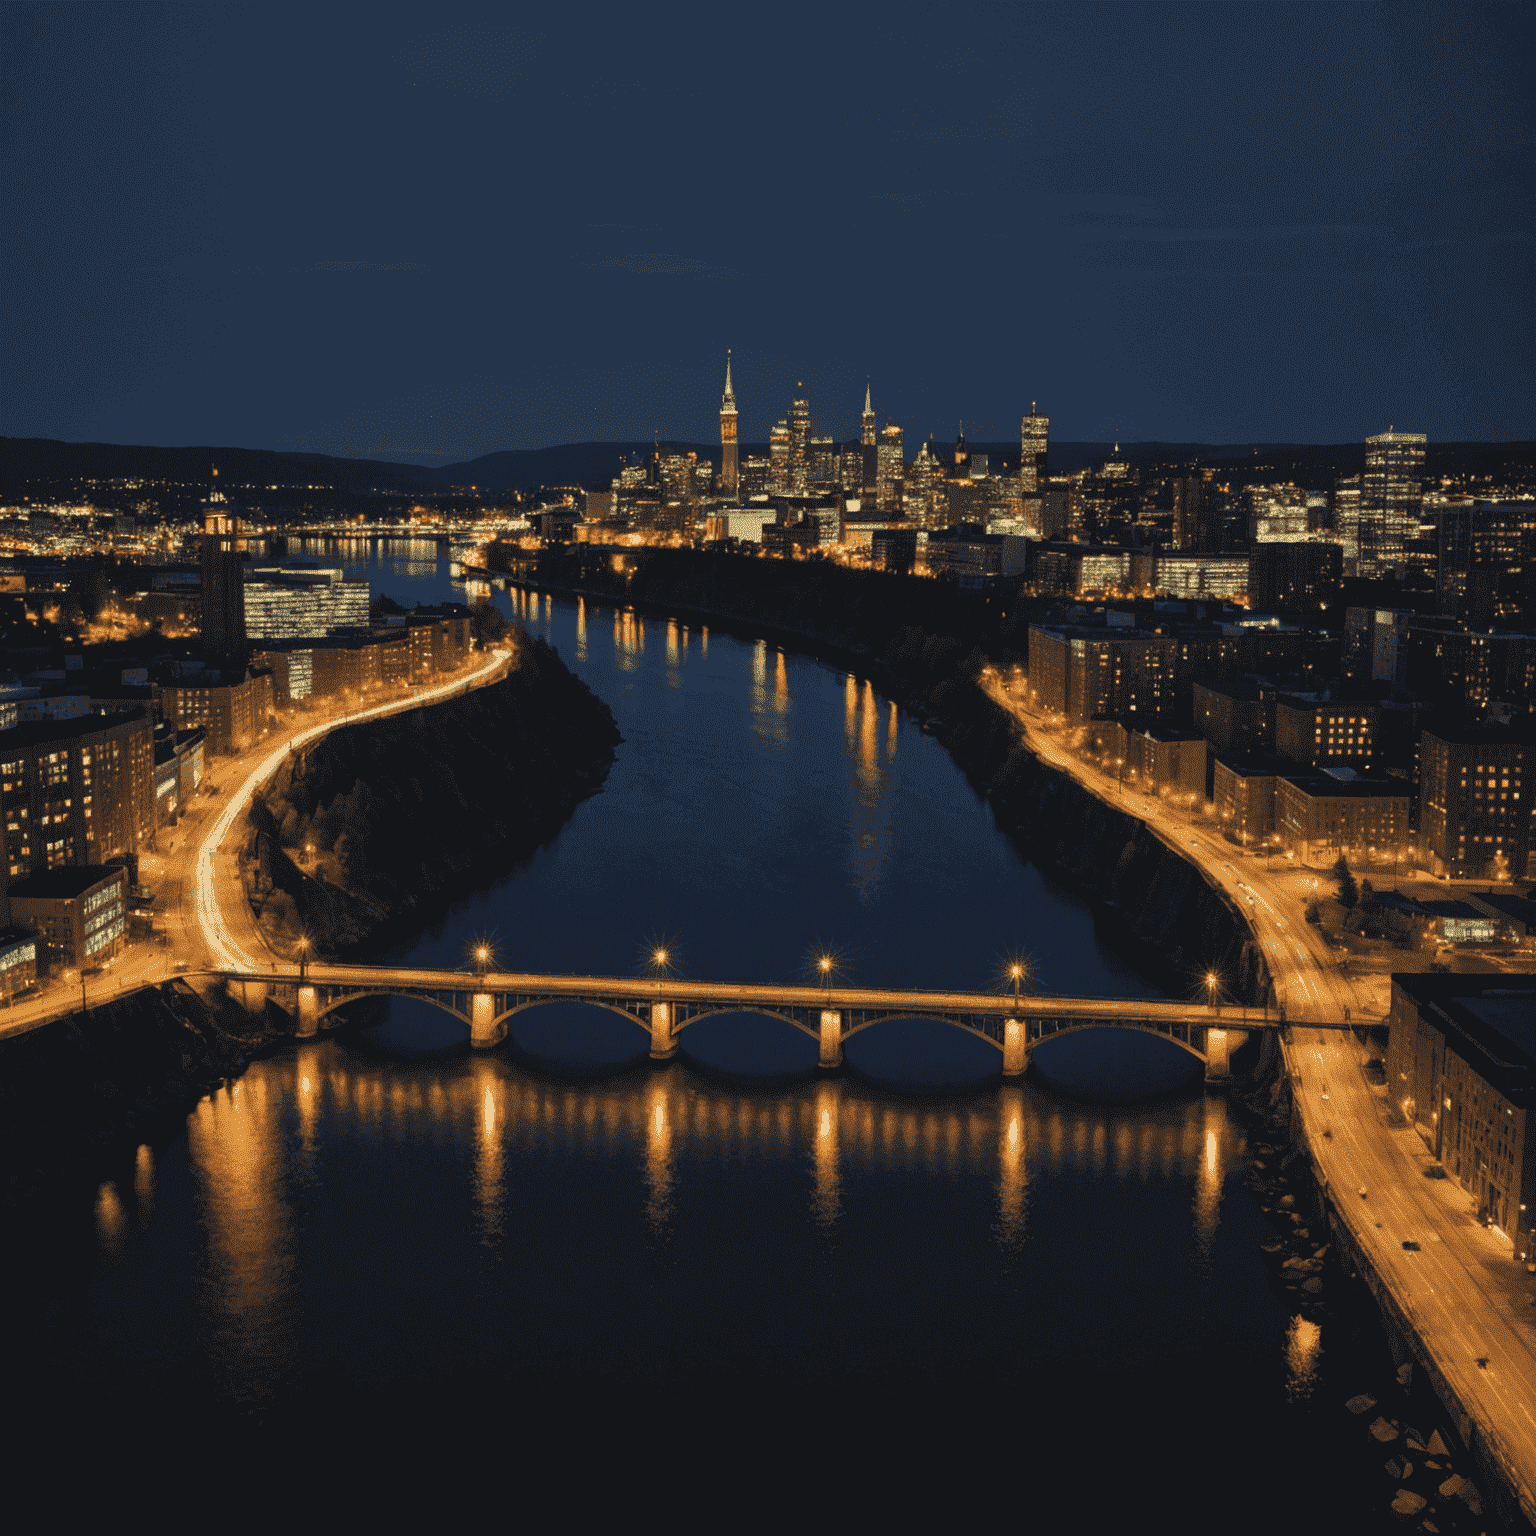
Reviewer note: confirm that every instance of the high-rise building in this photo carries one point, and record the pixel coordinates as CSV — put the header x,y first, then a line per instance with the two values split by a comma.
x,y
821,463
728,475
1474,821
224,639
890,467
1194,508
1344,507
924,503
778,460
799,444
1034,452
1391,500
962,458
867,421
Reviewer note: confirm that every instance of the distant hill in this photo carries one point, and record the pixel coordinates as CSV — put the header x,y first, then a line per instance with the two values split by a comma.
x,y
32,464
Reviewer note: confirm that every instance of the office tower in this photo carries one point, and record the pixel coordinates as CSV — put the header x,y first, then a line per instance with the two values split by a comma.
x,y
1344,507
850,471
1391,500
799,444
962,458
821,462
1034,452
924,503
890,468
1193,505
867,421
223,582
778,460
304,603
728,475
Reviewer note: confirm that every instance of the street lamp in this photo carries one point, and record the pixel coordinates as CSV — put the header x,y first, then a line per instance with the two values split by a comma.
x,y
1016,971
1212,983
482,957
824,965
303,955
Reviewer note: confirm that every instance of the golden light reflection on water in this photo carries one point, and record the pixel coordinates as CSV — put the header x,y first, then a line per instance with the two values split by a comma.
x,y
581,629
826,1203
674,648
1209,1176
850,709
144,1184
489,1203
1303,1358
111,1221
1012,1180
248,1293
659,1117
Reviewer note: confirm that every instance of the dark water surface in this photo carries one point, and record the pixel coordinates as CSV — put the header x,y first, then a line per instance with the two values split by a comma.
x,y
570,1262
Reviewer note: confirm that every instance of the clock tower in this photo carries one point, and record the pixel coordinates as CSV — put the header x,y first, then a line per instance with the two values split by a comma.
x,y
728,433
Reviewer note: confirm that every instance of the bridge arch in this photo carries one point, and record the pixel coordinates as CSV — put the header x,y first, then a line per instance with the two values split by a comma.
x,y
686,1016
1141,1026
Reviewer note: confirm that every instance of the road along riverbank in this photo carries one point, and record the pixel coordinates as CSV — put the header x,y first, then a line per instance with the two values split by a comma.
x,y
359,840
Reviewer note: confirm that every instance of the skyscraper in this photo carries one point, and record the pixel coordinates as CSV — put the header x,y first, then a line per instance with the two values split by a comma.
x,y
1391,499
779,483
962,458
799,443
728,433
1034,452
869,446
890,468
867,421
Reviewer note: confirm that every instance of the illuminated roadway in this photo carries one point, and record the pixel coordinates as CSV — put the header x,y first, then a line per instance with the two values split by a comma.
x,y
1466,1297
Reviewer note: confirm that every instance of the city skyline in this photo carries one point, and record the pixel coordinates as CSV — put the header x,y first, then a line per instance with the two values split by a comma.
x,y
1192,224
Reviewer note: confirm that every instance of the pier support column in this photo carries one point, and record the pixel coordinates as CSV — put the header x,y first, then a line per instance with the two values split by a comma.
x,y
1219,1045
484,1032
1015,1057
308,1013
831,1038
663,1041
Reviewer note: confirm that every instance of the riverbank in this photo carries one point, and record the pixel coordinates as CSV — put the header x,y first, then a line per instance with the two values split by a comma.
x,y
82,1092
373,832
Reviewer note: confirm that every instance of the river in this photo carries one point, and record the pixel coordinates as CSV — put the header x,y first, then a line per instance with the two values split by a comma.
x,y
1053,1284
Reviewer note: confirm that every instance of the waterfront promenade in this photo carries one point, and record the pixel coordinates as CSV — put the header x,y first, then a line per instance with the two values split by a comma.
x,y
1462,1293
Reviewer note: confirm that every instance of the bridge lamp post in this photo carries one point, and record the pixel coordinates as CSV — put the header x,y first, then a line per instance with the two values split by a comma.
x,y
824,964
1212,983
303,956
482,957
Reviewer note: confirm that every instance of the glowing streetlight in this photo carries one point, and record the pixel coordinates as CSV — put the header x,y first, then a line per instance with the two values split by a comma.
x,y
482,957
1212,984
824,965
303,955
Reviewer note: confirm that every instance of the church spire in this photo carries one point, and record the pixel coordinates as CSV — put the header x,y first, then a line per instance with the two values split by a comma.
x,y
869,409
728,399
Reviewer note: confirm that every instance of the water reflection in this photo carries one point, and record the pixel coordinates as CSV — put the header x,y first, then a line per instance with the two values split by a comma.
x,y
581,629
658,1156
826,1204
111,1221
144,1184
1303,1358
488,1155
1209,1178
1011,1182
247,1294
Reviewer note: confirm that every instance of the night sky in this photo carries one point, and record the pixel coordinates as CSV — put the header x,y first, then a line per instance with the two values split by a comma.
x,y
426,232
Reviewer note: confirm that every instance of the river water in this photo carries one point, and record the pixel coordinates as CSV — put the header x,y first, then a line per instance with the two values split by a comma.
x,y
1042,1290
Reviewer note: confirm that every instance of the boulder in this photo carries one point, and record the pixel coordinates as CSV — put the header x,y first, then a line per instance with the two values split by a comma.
x,y
1312,1287
1406,1502
1362,1404
1451,1486
1437,1446
1383,1431
1287,1201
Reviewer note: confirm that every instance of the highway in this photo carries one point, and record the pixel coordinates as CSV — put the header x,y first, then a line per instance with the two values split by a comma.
x,y
1467,1298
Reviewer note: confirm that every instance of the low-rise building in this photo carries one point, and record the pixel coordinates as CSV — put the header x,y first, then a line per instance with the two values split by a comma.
x,y
1325,733
1243,798
1474,806
18,962
234,709
1320,816
1461,1065
178,771
77,913
1238,718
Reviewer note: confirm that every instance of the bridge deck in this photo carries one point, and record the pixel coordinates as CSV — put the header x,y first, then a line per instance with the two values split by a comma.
x,y
719,996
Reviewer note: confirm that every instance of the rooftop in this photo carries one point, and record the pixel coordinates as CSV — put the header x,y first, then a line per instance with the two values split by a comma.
x,y
65,883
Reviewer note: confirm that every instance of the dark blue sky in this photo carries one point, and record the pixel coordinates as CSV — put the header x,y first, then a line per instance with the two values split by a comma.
x,y
430,231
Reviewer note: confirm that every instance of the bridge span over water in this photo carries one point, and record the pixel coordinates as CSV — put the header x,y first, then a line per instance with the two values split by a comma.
x,y
664,1007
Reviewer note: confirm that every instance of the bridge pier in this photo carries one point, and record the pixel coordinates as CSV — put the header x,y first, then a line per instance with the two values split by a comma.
x,y
308,1013
1219,1045
1015,1055
663,1041
831,1038
484,1031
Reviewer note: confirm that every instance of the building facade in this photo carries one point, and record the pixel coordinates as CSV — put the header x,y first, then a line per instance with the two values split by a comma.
x,y
1474,808
79,914
1318,817
728,444
1391,500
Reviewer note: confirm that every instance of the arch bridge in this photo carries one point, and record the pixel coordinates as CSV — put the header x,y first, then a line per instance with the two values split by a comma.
x,y
664,1007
